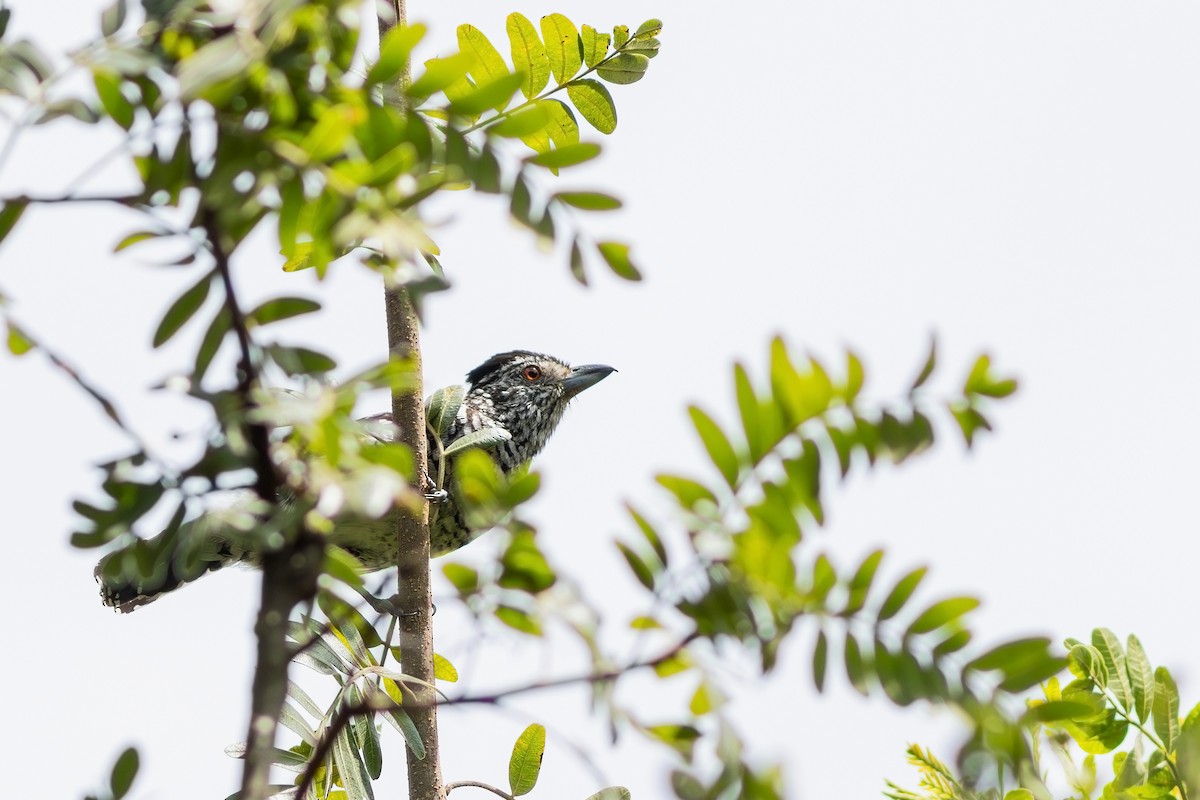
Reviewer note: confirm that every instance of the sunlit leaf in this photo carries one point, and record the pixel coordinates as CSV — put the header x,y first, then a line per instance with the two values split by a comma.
x,y
528,54
595,45
563,47
616,255
624,68
595,103
394,52
526,761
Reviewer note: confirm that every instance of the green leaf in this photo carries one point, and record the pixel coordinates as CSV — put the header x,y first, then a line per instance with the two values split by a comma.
x,y
616,255
464,578
528,54
588,201
1166,708
566,156
942,613
578,272
526,760
281,308
108,89
440,73
494,94
624,68
300,360
112,18
394,52
518,620
595,45
1141,678
523,123
969,420
648,29
9,214
1110,649
820,661
926,369
563,47
18,342
348,762
135,238
489,66
651,535
611,793
686,491
641,570
594,102
211,343
716,443
123,772
749,409
443,670
855,670
1018,794
854,377
620,36
646,47
484,438
860,584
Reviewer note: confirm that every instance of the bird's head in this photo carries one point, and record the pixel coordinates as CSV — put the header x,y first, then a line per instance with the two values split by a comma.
x,y
526,393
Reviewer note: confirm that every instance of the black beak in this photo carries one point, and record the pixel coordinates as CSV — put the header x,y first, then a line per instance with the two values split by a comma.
x,y
583,377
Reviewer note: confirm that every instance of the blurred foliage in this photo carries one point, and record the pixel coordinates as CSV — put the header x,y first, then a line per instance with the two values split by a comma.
x,y
1115,694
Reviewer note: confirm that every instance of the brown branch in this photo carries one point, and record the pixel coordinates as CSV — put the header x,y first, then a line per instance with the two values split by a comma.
x,y
289,573
414,595
450,787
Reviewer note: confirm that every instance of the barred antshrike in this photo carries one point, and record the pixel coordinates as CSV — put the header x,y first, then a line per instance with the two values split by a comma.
x,y
519,392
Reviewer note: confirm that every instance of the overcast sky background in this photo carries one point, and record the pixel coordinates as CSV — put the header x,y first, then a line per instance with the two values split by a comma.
x,y
1021,178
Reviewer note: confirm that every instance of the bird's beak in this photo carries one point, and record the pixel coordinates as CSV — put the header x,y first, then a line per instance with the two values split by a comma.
x,y
583,377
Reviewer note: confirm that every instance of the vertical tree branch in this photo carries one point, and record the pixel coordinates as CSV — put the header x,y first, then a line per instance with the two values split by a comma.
x,y
289,574
414,597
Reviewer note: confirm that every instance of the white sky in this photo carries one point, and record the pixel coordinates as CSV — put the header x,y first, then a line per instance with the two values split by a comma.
x,y
1020,177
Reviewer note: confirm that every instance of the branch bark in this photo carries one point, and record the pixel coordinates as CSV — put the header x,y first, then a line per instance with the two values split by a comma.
x,y
413,591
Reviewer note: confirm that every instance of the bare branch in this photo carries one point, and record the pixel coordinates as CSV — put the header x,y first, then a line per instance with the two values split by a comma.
x,y
450,787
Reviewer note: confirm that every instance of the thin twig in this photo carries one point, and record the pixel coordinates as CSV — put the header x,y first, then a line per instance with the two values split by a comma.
x,y
413,708
450,787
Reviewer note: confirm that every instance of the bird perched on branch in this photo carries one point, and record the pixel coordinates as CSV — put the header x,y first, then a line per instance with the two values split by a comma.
x,y
510,405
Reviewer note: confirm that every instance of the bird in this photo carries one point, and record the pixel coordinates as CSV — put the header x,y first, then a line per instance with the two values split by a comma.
x,y
511,403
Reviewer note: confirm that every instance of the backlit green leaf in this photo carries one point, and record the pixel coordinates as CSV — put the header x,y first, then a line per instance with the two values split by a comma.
x,y
518,620
118,107
624,68
1111,651
281,308
594,102
566,156
595,45
563,47
394,52
1166,708
528,54
180,311
616,255
440,73
648,29
927,368
942,613
589,201
443,670
860,584
716,443
493,94
526,761
1141,677
489,66
523,123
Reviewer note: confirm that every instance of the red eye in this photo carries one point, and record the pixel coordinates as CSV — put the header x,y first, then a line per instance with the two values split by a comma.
x,y
532,373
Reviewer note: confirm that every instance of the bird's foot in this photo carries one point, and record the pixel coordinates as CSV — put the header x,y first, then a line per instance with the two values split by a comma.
x,y
389,606
432,493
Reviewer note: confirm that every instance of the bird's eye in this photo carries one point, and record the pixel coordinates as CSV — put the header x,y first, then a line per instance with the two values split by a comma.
x,y
532,373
